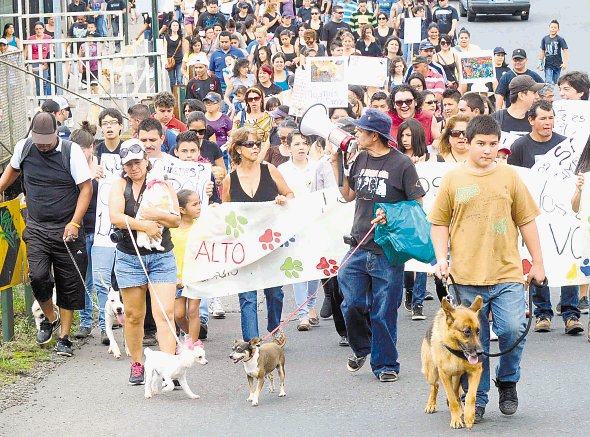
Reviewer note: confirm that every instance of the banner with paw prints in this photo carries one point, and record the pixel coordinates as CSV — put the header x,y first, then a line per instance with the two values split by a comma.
x,y
237,247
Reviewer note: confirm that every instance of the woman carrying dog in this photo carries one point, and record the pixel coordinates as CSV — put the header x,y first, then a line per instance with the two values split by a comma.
x,y
252,181
126,196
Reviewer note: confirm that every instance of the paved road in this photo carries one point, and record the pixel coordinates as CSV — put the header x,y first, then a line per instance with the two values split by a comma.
x,y
89,394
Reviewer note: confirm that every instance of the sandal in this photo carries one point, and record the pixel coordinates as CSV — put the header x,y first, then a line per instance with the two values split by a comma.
x,y
314,318
304,325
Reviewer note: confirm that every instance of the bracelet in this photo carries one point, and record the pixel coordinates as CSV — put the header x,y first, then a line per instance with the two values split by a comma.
x,y
74,224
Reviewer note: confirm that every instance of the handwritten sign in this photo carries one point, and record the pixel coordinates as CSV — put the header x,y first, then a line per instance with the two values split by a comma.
x,y
326,83
476,67
12,247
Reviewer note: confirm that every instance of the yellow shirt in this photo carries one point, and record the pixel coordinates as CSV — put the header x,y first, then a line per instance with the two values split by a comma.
x,y
483,212
179,238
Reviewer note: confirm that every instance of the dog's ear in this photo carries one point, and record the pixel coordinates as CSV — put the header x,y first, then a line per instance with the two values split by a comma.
x,y
449,310
255,341
477,304
236,342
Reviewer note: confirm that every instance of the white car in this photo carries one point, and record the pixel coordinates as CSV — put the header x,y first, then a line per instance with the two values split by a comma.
x,y
470,8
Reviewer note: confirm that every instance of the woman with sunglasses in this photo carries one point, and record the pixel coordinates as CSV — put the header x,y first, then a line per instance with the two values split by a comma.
x,y
452,144
310,38
254,116
209,150
124,202
384,31
406,103
448,59
316,22
430,105
253,181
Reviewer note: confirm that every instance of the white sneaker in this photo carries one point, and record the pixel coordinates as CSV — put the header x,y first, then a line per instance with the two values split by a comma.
x,y
216,308
493,336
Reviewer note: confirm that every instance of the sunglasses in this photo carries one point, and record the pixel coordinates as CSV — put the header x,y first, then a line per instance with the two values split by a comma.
x,y
199,131
315,13
444,43
253,99
430,102
135,148
250,144
456,133
382,18
338,12
400,103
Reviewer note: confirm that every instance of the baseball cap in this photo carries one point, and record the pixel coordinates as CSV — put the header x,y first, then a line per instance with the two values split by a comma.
x,y
524,82
506,150
62,102
3,41
281,111
426,45
242,5
212,97
518,53
131,149
499,50
375,121
287,15
43,128
420,60
201,58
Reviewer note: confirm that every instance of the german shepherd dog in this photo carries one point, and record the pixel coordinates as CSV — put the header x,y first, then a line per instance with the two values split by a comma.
x,y
451,348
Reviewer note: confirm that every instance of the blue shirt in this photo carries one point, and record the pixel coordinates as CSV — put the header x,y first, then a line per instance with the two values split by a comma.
x,y
217,62
349,9
504,83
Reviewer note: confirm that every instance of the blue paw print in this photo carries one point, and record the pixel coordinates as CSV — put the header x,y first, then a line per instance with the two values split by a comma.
x,y
585,267
289,241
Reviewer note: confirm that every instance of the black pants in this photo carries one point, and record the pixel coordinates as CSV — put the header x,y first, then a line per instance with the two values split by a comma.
x,y
46,251
332,292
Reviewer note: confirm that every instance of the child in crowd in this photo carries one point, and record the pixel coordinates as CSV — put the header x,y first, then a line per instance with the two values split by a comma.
x,y
217,120
89,68
481,206
238,101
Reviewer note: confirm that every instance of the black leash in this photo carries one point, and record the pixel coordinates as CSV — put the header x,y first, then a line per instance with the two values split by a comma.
x,y
533,282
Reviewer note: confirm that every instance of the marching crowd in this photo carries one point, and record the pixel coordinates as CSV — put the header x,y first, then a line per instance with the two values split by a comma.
x,y
237,62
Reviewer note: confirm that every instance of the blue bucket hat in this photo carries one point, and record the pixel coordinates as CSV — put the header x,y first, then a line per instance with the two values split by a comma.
x,y
375,121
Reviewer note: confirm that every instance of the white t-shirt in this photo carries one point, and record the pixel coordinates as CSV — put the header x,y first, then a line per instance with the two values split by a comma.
x,y
299,180
78,165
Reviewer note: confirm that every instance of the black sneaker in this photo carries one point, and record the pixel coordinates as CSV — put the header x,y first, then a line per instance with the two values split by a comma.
x,y
418,312
428,296
64,346
104,338
355,363
150,339
408,299
136,376
479,412
203,331
388,376
82,332
508,397
46,330
344,341
326,311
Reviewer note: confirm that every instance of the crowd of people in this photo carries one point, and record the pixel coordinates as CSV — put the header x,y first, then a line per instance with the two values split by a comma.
x,y
237,61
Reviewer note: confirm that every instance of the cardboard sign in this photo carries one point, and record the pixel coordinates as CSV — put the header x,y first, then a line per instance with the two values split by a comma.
x,y
12,248
412,30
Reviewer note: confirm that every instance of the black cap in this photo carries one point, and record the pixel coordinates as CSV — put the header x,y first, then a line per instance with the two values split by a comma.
x,y
420,60
519,53
499,50
50,106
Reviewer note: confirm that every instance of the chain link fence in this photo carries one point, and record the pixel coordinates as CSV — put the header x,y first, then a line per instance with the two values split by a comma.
x,y
13,112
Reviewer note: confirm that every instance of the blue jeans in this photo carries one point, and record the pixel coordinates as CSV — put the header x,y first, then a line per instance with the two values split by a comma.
x,y
417,284
42,87
204,311
506,302
175,76
249,311
86,313
552,74
569,302
101,26
302,291
371,285
101,267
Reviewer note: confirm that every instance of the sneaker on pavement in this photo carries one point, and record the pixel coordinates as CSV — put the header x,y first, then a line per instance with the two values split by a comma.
x,y
428,296
304,325
344,341
543,324
279,338
355,363
408,299
83,332
64,346
216,308
150,339
203,331
583,304
479,412
493,335
573,326
388,376
136,376
418,312
508,397
326,310
46,330
558,309
104,338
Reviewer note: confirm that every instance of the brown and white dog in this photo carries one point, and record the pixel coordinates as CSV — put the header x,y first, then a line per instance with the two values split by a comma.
x,y
259,362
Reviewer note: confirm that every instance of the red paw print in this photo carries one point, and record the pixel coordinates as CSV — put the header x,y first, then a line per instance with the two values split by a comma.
x,y
526,266
269,239
329,266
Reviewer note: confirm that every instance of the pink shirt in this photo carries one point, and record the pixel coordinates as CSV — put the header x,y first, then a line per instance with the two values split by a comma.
x,y
34,48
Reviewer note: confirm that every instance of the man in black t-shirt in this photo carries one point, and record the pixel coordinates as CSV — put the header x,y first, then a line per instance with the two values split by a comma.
x,y
369,283
113,20
212,16
202,84
523,92
330,29
77,6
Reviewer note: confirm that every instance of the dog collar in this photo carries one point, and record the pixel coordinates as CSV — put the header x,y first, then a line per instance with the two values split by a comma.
x,y
459,353
245,361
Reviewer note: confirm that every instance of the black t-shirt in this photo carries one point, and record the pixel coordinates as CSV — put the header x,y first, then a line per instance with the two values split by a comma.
x,y
272,90
198,89
90,215
102,148
508,123
389,178
78,30
292,28
209,20
211,151
525,150
73,7
116,5
444,18
329,32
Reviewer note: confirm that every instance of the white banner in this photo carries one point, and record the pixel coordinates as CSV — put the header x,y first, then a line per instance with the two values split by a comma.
x,y
367,71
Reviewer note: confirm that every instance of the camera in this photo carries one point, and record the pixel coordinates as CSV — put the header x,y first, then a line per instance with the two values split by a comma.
x,y
118,235
350,240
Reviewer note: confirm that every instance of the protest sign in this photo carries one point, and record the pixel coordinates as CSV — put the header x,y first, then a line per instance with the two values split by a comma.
x,y
181,174
367,71
327,81
12,247
572,118
507,139
584,216
476,67
412,30
299,95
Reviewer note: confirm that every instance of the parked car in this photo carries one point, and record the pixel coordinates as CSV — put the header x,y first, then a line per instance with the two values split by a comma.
x,y
470,8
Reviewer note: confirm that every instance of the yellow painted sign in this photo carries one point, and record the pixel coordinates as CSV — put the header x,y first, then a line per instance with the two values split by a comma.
x,y
13,256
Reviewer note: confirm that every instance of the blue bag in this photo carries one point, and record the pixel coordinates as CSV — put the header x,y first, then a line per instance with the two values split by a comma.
x,y
406,234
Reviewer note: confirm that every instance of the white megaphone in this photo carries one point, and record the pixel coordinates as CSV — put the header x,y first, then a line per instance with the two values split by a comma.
x,y
315,121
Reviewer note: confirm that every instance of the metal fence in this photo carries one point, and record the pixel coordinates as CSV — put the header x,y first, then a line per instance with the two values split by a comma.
x,y
13,111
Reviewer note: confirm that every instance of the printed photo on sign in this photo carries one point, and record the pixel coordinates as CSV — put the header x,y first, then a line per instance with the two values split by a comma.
x,y
324,69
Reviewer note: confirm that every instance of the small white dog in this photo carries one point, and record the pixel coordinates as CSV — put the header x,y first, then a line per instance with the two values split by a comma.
x,y
38,312
161,367
114,312
157,195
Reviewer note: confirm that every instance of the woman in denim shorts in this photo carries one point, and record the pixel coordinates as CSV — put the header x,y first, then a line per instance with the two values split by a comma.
x,y
126,195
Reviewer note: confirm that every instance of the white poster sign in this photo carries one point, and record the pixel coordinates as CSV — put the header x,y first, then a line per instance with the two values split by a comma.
x,y
327,79
412,30
367,71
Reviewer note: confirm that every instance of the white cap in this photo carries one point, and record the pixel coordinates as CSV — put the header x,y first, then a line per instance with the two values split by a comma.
x,y
3,41
200,58
61,101
139,153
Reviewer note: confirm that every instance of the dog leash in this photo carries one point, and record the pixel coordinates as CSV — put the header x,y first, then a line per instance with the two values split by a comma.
x,y
81,277
533,283
284,322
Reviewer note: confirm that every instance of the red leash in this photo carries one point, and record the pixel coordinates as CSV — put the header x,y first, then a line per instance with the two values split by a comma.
x,y
266,337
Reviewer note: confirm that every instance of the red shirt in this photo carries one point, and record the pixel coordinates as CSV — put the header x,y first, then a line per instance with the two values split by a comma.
x,y
34,48
175,123
424,118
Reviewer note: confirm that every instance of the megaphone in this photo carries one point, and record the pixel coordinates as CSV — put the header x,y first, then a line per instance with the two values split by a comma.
x,y
315,121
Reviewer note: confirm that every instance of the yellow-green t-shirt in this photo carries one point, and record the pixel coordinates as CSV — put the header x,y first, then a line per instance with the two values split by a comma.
x,y
483,212
179,238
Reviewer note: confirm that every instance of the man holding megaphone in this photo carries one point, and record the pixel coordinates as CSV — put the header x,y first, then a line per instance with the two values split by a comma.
x,y
369,283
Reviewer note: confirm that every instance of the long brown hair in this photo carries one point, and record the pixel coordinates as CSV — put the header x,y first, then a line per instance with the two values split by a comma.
x,y
444,145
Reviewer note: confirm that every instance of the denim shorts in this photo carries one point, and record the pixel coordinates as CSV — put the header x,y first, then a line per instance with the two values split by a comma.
x,y
179,292
161,268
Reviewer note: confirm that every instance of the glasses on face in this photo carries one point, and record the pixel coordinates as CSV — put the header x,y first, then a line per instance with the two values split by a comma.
x,y
209,102
400,103
430,102
444,43
382,18
250,144
109,123
199,131
456,133
338,12
315,13
253,99
134,148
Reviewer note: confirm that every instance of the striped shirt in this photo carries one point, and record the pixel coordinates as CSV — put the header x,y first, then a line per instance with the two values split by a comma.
x,y
349,9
